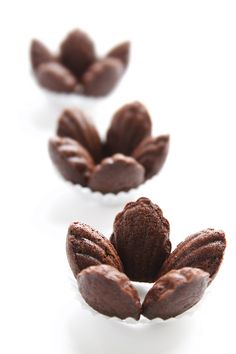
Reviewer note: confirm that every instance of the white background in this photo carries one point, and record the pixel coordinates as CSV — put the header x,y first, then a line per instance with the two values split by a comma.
x,y
183,67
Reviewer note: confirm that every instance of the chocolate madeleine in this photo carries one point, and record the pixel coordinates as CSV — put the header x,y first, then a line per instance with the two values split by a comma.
x,y
129,126
204,250
174,293
121,52
151,153
115,174
86,246
55,77
73,162
74,124
77,52
109,292
102,76
39,54
141,238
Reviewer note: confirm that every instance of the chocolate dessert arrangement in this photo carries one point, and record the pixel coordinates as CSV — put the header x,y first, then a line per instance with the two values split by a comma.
x,y
139,250
128,157
77,68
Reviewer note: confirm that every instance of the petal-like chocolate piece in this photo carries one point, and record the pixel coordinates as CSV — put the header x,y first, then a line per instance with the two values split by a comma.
x,y
86,247
141,238
174,293
109,292
77,52
102,76
121,52
129,126
55,77
71,159
115,174
74,124
39,54
151,153
204,250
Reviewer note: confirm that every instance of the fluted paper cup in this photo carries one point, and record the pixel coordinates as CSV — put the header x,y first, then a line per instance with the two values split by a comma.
x,y
92,332
57,102
108,198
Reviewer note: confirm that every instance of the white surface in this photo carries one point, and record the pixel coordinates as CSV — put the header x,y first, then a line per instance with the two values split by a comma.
x,y
184,68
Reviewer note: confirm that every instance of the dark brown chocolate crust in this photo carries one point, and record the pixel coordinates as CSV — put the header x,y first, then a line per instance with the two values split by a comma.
x,y
109,292
121,52
151,153
129,126
55,77
77,52
70,158
204,250
139,248
86,247
115,174
93,76
141,238
74,124
102,76
39,54
174,293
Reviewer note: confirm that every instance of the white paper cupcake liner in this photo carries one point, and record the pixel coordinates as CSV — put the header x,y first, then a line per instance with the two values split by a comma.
x,y
57,102
108,199
90,333
112,335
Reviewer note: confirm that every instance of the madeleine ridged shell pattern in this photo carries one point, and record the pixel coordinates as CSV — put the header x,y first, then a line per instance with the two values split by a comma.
x,y
74,124
204,250
86,247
